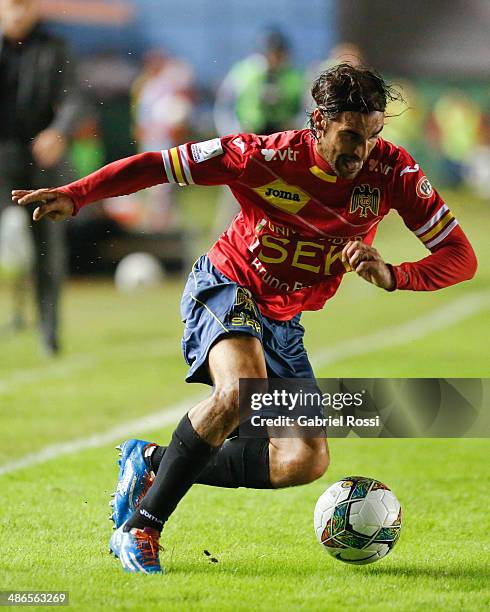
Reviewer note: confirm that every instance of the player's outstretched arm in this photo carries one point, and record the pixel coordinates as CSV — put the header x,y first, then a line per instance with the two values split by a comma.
x,y
181,165
52,204
121,177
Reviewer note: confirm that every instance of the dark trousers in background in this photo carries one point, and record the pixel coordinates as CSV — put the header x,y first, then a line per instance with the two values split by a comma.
x,y
18,170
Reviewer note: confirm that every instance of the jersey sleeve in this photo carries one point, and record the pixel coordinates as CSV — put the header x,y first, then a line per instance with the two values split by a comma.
x,y
452,259
219,161
418,203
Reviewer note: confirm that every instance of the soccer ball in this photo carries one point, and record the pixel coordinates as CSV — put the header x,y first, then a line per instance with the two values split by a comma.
x,y
137,271
358,520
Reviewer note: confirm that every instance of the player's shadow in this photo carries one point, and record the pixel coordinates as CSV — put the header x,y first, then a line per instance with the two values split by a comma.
x,y
438,573
469,574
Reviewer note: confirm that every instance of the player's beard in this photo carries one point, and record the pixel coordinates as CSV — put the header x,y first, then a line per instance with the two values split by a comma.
x,y
344,166
347,166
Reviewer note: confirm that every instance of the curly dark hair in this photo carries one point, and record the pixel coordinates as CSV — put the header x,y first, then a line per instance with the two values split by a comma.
x,y
345,87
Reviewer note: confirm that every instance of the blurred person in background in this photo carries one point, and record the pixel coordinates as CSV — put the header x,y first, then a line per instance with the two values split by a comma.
x,y
40,107
162,100
105,135
458,121
343,52
162,103
406,126
263,94
477,174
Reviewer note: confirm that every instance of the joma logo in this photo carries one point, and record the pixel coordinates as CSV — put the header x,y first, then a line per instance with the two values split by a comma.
x,y
284,195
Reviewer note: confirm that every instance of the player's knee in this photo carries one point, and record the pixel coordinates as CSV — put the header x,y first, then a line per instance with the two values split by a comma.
x,y
311,466
301,467
319,465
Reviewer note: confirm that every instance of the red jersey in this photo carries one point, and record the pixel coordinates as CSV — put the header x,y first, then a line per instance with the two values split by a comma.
x,y
295,214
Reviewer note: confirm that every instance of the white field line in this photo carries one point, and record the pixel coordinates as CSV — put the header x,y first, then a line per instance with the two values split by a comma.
x,y
129,428
440,318
82,361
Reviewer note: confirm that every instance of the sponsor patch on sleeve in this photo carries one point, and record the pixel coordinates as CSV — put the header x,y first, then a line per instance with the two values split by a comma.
x,y
424,188
202,151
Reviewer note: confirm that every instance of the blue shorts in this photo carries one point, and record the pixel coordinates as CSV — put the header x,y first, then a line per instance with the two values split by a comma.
x,y
213,306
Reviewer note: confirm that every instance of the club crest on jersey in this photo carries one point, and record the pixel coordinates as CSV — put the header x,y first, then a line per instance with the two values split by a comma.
x,y
424,188
364,198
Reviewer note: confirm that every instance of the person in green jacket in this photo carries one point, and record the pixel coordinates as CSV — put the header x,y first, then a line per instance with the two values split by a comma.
x,y
262,93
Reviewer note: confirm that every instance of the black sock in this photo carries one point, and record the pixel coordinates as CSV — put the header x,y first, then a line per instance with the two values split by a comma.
x,y
184,459
155,458
240,462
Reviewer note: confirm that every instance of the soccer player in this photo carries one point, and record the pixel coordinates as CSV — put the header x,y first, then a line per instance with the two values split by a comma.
x,y
310,201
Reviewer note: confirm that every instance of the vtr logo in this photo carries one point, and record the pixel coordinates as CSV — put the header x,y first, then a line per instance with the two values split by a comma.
x,y
364,198
271,154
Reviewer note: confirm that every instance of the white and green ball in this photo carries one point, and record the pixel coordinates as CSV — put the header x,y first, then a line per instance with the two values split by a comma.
x,y
358,520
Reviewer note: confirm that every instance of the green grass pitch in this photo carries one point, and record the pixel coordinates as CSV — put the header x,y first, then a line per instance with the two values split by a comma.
x,y
122,363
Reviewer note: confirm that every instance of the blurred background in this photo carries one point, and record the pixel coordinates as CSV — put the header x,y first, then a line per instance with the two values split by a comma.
x,y
155,73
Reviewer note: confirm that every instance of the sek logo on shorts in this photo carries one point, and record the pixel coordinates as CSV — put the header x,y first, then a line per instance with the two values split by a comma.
x,y
244,311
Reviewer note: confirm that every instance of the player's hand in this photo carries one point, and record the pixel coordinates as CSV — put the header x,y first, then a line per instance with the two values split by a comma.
x,y
48,148
53,204
368,264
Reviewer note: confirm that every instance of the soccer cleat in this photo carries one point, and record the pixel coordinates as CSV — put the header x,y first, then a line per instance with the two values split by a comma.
x,y
134,480
137,549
